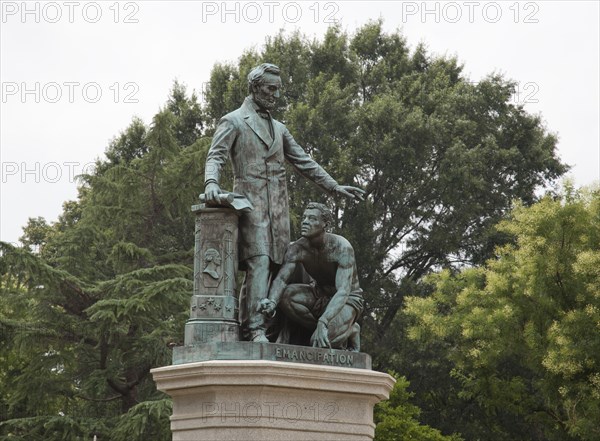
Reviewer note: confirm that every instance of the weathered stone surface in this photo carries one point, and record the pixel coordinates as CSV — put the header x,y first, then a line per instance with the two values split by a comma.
x,y
215,260
243,350
216,331
214,307
271,401
214,304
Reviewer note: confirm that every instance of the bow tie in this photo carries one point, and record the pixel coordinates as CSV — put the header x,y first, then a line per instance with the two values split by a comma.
x,y
263,114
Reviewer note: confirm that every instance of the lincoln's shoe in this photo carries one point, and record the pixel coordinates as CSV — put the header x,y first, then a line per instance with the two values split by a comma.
x,y
259,336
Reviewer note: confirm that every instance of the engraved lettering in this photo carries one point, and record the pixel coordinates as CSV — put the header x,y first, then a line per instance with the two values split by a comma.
x,y
331,409
334,358
208,409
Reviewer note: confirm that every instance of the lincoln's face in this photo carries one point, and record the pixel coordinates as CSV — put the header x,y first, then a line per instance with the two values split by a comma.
x,y
312,223
266,93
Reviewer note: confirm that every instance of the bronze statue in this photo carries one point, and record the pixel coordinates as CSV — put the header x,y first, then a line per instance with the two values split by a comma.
x,y
330,306
258,145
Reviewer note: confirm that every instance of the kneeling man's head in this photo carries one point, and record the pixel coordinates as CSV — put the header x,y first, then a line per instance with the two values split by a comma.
x,y
316,219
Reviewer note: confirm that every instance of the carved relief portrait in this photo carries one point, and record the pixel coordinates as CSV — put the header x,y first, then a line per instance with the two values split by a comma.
x,y
212,263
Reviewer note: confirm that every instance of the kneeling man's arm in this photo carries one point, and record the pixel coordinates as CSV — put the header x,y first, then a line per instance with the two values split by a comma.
x,y
284,275
343,285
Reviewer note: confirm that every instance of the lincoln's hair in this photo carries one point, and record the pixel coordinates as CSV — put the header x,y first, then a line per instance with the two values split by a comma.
x,y
326,213
256,75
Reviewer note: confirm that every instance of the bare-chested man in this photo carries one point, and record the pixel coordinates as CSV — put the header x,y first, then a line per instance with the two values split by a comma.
x,y
329,308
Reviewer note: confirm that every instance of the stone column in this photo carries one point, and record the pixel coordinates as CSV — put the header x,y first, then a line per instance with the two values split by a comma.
x,y
264,400
214,304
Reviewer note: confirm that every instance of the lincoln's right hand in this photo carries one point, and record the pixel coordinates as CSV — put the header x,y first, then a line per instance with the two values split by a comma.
x,y
211,192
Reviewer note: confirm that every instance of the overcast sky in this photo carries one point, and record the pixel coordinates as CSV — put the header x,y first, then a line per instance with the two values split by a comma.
x,y
74,73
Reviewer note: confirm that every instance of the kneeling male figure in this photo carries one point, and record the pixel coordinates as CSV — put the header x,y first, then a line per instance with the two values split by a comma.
x,y
331,306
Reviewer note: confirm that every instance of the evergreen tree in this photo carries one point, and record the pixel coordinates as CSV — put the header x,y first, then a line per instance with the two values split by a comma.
x,y
87,316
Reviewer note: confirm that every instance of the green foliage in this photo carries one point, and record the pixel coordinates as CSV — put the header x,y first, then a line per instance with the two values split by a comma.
x,y
189,117
35,233
147,420
441,158
520,335
396,418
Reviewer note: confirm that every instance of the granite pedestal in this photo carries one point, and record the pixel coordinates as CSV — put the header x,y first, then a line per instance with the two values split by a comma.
x,y
267,400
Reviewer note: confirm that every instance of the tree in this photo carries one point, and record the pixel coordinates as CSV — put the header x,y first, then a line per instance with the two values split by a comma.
x,y
521,334
395,418
86,317
441,158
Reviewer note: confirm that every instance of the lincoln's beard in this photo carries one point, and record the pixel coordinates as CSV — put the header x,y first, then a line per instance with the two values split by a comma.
x,y
265,104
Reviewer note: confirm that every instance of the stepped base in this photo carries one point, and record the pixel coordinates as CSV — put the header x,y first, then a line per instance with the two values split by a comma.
x,y
271,400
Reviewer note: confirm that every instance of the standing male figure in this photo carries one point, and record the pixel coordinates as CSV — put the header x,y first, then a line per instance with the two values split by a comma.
x,y
329,308
258,145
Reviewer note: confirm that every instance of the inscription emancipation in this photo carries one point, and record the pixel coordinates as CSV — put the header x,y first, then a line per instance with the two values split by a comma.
x,y
334,358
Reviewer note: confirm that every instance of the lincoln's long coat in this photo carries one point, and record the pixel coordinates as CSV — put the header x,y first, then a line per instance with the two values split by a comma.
x,y
258,166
